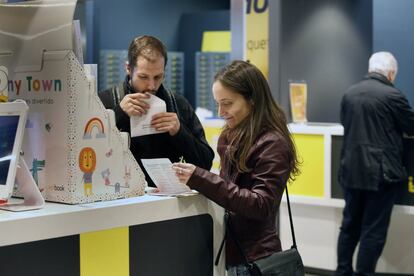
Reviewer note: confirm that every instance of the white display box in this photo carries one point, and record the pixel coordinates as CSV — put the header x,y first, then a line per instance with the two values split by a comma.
x,y
71,143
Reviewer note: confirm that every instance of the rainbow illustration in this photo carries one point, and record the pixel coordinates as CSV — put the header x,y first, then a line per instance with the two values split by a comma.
x,y
90,125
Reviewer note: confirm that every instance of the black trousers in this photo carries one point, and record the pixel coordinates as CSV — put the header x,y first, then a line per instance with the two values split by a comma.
x,y
366,218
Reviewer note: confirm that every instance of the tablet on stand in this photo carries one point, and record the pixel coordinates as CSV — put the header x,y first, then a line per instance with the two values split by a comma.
x,y
13,168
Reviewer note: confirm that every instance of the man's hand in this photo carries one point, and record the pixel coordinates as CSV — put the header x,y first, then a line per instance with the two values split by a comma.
x,y
166,121
134,104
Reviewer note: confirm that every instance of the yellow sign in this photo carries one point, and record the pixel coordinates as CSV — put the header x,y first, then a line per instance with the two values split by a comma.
x,y
257,34
217,41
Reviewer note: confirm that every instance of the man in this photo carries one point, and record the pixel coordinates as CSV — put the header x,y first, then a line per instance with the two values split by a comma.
x,y
374,115
183,135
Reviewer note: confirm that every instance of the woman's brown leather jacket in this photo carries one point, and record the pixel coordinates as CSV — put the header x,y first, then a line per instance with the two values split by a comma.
x,y
252,198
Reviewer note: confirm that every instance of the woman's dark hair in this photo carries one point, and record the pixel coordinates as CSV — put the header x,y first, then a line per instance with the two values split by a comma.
x,y
247,80
146,46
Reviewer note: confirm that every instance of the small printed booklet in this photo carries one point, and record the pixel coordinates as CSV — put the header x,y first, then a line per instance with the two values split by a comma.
x,y
298,93
161,173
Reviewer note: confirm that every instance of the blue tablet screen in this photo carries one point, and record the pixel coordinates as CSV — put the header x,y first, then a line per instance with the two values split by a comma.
x,y
8,129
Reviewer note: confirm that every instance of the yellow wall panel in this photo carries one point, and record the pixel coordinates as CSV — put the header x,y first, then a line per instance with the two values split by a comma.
x,y
212,135
105,253
310,182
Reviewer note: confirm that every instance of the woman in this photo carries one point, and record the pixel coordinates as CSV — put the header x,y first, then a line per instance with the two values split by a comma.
x,y
257,158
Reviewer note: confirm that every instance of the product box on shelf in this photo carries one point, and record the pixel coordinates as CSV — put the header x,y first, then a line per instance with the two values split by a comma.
x,y
71,144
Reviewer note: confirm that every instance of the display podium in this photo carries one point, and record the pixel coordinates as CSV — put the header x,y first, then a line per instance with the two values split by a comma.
x,y
32,198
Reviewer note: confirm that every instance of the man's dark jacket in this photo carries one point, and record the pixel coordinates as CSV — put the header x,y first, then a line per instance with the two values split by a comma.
x,y
374,115
189,142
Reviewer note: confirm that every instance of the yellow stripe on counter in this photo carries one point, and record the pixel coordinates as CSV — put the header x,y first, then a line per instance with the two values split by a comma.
x,y
105,253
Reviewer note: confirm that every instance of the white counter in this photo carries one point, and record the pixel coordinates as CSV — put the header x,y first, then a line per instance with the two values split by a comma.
x,y
60,220
57,220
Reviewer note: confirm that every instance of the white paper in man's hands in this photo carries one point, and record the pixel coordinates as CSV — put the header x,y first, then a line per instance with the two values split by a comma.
x,y
161,172
141,125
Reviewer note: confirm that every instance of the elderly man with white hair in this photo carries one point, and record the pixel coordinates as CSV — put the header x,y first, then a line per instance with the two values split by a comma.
x,y
375,115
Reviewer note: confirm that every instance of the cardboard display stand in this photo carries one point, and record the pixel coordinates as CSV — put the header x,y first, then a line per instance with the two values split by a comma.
x,y
71,144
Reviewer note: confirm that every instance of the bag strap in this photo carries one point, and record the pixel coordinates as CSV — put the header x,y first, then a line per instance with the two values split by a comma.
x,y
236,241
221,248
292,229
229,229
173,100
117,93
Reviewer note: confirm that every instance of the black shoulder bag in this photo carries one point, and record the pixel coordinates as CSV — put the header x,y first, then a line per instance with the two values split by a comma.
x,y
283,263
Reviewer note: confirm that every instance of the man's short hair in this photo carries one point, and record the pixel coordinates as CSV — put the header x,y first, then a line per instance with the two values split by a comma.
x,y
383,63
148,47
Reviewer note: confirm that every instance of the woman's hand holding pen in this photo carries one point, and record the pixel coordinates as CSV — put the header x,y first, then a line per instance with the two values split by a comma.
x,y
183,171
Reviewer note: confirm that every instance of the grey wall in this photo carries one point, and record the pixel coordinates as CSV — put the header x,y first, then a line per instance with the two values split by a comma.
x,y
237,29
117,22
191,28
178,23
394,31
324,43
